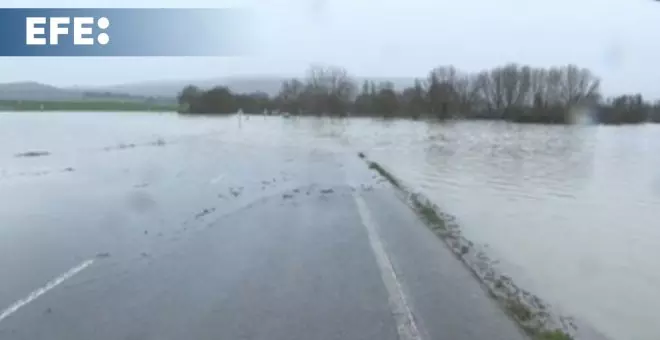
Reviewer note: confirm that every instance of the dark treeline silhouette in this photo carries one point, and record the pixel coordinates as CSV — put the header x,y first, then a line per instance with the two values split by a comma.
x,y
512,92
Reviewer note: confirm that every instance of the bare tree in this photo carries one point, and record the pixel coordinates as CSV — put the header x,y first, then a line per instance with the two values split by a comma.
x,y
291,96
539,88
413,99
553,87
577,85
468,93
513,92
330,89
442,96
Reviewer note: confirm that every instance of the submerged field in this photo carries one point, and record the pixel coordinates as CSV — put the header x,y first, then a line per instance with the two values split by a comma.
x,y
82,105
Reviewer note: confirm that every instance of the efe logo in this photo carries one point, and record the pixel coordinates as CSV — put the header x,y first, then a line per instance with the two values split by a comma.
x,y
82,30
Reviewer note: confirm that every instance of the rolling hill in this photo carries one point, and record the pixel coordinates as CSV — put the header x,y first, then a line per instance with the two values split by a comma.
x,y
152,91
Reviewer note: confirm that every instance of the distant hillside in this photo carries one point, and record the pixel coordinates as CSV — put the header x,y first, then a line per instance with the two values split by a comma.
x,y
269,85
33,91
153,91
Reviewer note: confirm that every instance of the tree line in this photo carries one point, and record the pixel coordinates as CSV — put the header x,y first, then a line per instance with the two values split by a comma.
x,y
517,93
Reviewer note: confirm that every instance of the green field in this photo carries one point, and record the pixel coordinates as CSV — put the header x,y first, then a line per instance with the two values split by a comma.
x,y
83,105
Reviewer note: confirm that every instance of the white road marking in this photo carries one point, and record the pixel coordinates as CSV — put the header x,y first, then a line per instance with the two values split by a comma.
x,y
405,322
41,291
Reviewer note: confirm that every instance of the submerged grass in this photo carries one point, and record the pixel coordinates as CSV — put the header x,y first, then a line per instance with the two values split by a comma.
x,y
553,335
428,214
521,312
384,173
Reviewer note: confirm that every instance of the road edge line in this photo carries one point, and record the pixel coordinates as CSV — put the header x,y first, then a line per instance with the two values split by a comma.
x,y
406,326
43,290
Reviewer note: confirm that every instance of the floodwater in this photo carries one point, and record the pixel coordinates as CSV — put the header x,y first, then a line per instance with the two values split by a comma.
x,y
570,212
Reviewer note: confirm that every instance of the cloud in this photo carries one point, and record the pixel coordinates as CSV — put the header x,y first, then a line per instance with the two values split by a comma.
x,y
614,38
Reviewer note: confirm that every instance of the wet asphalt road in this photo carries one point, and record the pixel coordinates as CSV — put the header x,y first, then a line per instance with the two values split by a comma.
x,y
142,245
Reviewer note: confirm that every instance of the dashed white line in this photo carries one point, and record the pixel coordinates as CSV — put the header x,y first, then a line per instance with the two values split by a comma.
x,y
43,290
405,323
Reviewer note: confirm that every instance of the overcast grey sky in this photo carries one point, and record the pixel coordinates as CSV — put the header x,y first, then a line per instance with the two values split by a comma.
x,y
617,39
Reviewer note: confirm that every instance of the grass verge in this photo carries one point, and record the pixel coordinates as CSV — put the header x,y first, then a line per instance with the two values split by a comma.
x,y
375,166
554,335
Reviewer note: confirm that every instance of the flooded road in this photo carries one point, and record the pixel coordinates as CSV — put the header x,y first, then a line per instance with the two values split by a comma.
x,y
131,226
569,212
